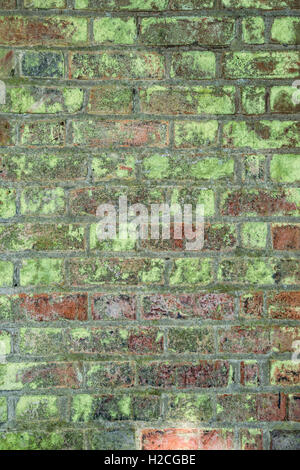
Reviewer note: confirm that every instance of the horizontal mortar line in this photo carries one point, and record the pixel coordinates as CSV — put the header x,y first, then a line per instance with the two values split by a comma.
x,y
187,357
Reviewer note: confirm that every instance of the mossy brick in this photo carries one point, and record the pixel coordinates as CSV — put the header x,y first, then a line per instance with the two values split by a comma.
x,y
157,374
41,272
39,376
116,271
248,271
114,165
261,202
135,407
114,307
6,273
191,340
113,439
193,65
42,64
195,196
43,201
284,373
45,4
284,305
261,4
285,440
120,5
3,410
125,133
193,134
159,99
252,305
186,31
42,100
39,133
117,245
7,63
7,203
125,64
254,235
285,236
294,408
250,374
7,308
253,30
5,343
204,374
41,341
43,31
251,439
189,407
287,271
38,408
52,307
110,99
41,440
41,237
286,30
110,375
250,408
253,100
262,134
282,100
7,133
241,340
253,168
43,166
115,30
205,306
7,4
191,271
283,339
162,166
190,4
285,168
261,64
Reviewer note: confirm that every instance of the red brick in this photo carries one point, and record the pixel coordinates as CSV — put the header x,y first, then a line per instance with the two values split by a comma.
x,y
205,374
294,407
282,338
245,407
157,374
251,439
252,305
250,373
285,373
51,307
286,237
113,307
238,339
284,305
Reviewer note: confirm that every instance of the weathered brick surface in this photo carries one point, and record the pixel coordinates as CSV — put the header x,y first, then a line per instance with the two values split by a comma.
x,y
145,344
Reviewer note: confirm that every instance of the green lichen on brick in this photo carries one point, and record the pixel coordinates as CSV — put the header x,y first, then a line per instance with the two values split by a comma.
x,y
114,30
82,408
44,272
212,168
45,4
114,166
254,235
3,410
138,5
7,202
7,63
253,100
42,64
6,308
43,201
191,271
113,99
195,134
284,99
253,30
6,273
253,168
189,407
37,408
5,343
193,65
286,30
285,168
153,273
117,244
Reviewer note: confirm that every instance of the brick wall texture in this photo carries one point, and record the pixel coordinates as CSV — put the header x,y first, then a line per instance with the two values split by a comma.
x,y
142,344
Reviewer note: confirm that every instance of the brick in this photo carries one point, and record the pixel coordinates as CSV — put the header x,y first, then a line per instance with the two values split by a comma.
x,y
7,133
7,4
284,373
195,134
193,65
194,196
116,271
116,5
284,305
251,439
7,308
3,410
248,408
157,374
261,4
253,168
294,407
42,64
130,65
261,134
285,440
188,306
114,31
41,440
110,99
114,307
7,271
285,168
286,237
191,271
253,100
286,30
250,374
45,4
136,407
192,340
43,201
38,408
254,235
7,203
186,31
205,374
41,237
43,31
5,343
52,307
41,341
187,439
253,30
110,374
113,439
282,338
7,63
252,305
282,102
114,166
190,4
248,271
43,166
260,202
237,340
189,407
38,133
120,133
192,100
261,64
32,376
42,100
43,272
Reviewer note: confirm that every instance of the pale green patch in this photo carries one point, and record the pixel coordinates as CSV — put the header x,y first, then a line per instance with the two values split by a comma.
x,y
286,30
254,235
115,30
6,273
285,168
82,408
191,271
44,272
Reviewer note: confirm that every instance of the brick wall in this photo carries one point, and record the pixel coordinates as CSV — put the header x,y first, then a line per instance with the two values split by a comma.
x,y
145,345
